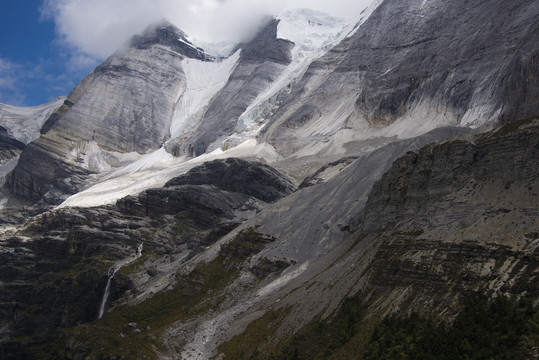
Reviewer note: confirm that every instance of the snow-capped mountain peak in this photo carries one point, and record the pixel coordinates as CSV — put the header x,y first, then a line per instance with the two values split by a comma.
x,y
309,30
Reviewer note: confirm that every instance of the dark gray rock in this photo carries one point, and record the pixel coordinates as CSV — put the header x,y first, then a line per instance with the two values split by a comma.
x,y
421,178
166,34
176,199
39,176
237,175
326,171
9,147
265,46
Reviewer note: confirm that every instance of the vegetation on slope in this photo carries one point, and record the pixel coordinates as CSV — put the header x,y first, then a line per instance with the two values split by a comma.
x,y
501,328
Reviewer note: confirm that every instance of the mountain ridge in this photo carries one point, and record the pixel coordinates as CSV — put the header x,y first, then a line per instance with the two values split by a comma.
x,y
237,207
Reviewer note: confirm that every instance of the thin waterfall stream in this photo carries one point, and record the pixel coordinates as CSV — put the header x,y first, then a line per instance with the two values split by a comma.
x,y
112,271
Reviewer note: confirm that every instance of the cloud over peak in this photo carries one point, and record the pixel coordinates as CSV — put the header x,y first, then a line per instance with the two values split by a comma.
x,y
96,28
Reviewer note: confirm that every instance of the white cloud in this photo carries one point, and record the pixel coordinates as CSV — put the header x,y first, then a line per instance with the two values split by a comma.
x,y
9,92
33,83
6,70
95,28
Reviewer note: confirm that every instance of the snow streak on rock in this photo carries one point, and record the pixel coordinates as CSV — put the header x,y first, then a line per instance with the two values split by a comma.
x,y
203,80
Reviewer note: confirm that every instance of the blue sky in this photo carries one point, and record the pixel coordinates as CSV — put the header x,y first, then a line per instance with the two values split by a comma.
x,y
48,46
34,66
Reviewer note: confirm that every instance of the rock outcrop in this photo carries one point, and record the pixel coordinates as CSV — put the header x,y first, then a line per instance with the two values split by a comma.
x,y
419,179
236,175
443,222
9,147
18,127
10,150
58,263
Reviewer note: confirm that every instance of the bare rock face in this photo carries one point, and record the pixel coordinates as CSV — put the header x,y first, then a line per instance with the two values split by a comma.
x,y
9,147
246,177
421,178
58,263
125,105
443,221
231,189
10,150
413,61
18,127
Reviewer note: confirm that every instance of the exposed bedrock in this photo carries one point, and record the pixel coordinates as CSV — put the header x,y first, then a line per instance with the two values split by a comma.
x,y
439,68
124,105
58,262
443,221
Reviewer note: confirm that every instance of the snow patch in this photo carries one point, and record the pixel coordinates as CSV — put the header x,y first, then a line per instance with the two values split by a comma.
x,y
24,123
203,80
220,50
313,34
156,160
91,156
155,169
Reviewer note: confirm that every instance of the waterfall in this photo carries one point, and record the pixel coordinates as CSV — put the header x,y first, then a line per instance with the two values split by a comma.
x,y
112,271
106,294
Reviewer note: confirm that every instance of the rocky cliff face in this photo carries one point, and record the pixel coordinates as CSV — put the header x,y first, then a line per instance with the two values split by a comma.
x,y
10,149
73,249
125,105
438,68
18,127
419,179
442,222
231,259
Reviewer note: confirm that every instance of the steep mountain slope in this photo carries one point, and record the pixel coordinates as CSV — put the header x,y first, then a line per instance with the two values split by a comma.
x,y
199,119
18,127
125,105
260,63
474,228
312,87
442,222
416,65
74,249
182,246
